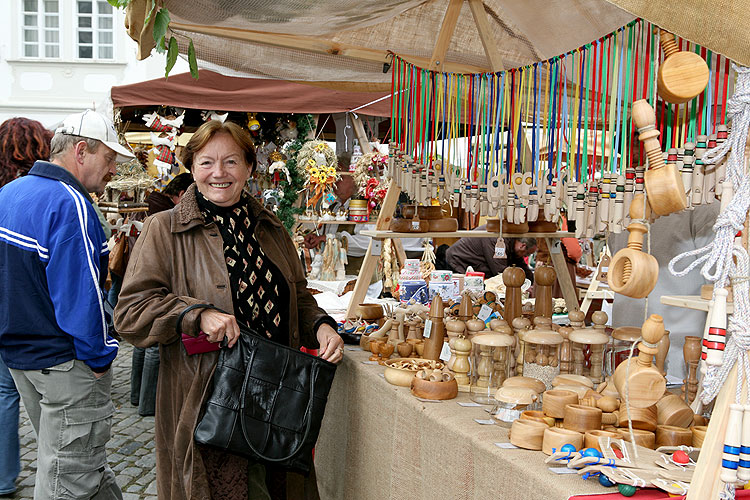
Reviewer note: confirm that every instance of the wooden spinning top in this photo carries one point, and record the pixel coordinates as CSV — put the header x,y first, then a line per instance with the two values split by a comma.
x,y
632,272
682,75
666,193
544,278
646,384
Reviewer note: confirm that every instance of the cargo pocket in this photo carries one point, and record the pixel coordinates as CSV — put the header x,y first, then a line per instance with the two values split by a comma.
x,y
82,458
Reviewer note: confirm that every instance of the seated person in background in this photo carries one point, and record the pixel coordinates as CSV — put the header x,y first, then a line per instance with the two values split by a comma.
x,y
170,196
479,253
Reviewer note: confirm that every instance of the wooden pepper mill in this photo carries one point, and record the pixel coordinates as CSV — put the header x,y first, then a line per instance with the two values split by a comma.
x,y
683,75
646,384
666,193
634,273
461,365
544,278
691,352
513,277
434,345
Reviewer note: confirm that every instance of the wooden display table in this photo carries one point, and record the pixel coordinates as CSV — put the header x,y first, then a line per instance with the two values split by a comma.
x,y
378,441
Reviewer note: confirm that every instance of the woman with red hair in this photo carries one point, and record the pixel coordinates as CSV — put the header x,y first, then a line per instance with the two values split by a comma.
x,y
22,142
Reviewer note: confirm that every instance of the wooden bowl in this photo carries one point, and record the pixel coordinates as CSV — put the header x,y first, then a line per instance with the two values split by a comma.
x,y
443,225
537,416
591,438
699,434
434,390
400,225
403,376
572,379
408,211
555,437
527,382
527,434
669,435
370,312
672,410
582,418
542,226
643,418
419,226
515,228
608,404
554,402
493,225
430,212
647,439
578,389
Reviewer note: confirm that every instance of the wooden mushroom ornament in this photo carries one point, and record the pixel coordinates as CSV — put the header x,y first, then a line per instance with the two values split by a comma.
x,y
645,384
683,75
666,193
632,272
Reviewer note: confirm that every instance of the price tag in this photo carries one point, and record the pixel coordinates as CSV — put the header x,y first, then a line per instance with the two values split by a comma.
x,y
506,446
415,225
427,328
382,374
445,354
500,249
430,400
353,348
555,247
484,312
368,362
563,470
468,404
481,421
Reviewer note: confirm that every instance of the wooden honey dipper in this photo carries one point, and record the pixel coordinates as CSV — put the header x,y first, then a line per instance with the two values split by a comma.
x,y
632,272
666,193
682,75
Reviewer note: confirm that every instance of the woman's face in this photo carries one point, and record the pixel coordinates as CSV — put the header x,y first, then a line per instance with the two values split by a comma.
x,y
220,170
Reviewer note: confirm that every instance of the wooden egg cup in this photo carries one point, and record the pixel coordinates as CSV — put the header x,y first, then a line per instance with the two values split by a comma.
x,y
666,193
683,75
632,272
554,402
591,438
646,384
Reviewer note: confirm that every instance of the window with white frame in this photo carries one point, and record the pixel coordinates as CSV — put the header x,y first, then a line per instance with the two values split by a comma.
x,y
41,28
95,32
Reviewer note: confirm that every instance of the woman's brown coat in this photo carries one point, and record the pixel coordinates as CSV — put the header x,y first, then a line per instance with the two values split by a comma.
x,y
178,261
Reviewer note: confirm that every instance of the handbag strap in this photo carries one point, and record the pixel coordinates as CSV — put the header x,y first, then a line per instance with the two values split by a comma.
x,y
178,327
308,420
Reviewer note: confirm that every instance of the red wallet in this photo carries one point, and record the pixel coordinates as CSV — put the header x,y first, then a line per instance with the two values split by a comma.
x,y
199,344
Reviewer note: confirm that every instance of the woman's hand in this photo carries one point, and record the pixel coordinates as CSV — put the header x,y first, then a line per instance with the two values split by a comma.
x,y
218,325
331,344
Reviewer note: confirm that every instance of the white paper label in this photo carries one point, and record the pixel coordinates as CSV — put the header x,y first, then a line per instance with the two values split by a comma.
x,y
445,353
415,225
484,312
427,328
369,362
382,374
353,348
555,247
499,252
469,404
506,446
430,400
481,421
563,470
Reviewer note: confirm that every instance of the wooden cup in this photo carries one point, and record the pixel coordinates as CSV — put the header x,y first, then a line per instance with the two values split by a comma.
x,y
555,400
591,438
582,418
538,416
643,418
555,437
699,434
672,410
647,439
670,435
527,434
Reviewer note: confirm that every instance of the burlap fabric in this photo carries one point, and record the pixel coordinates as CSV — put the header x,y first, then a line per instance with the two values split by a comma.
x,y
378,442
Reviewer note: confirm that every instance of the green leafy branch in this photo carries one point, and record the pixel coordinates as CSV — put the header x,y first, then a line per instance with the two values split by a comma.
x,y
160,30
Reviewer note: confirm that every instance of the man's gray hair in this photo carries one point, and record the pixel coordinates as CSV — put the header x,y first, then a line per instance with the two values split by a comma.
x,y
529,242
62,142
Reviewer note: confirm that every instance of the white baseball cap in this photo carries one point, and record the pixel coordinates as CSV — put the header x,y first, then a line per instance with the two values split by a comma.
x,y
93,125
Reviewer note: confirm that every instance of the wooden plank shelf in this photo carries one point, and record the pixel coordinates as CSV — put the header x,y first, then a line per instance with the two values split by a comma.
x,y
463,234
694,302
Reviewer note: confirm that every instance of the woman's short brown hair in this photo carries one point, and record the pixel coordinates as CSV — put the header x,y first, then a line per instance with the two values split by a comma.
x,y
208,130
22,142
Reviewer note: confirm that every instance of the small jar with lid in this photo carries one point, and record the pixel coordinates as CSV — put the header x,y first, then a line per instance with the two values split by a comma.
x,y
491,365
541,355
512,401
588,348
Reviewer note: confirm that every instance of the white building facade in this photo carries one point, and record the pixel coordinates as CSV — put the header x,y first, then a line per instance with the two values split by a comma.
x,y
62,56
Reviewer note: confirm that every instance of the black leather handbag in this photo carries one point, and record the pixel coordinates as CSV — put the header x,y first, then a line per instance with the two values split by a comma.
x,y
267,402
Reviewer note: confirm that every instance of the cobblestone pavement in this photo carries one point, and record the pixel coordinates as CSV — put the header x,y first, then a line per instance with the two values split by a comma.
x,y
130,450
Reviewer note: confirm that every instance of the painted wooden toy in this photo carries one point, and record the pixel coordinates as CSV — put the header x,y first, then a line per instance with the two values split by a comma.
x,y
666,194
715,338
646,384
730,460
743,473
683,75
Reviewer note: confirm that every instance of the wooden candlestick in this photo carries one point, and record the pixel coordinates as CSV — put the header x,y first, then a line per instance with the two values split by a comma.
x,y
666,194
683,75
632,272
544,278
513,277
691,352
434,345
646,384
661,353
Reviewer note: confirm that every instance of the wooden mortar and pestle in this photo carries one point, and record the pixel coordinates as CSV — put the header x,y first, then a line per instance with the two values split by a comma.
x,y
646,384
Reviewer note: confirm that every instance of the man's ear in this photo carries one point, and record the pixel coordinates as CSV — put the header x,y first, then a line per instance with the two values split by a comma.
x,y
79,149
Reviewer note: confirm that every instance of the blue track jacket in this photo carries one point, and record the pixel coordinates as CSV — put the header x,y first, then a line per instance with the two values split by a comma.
x,y
52,248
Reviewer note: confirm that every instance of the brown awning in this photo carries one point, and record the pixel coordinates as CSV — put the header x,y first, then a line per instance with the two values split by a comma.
x,y
216,92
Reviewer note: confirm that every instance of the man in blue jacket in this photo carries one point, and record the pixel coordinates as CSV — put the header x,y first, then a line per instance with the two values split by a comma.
x,y
53,327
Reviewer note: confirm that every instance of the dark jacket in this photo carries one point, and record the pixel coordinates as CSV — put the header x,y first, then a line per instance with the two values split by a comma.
x,y
479,253
177,261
